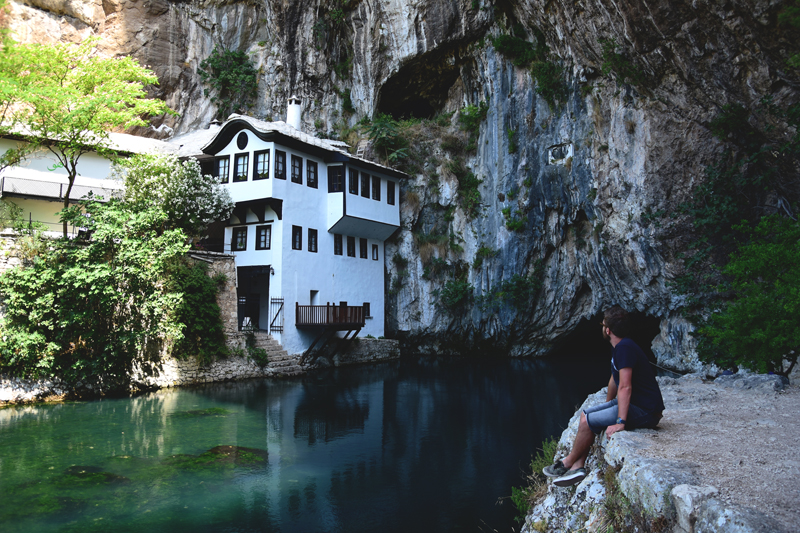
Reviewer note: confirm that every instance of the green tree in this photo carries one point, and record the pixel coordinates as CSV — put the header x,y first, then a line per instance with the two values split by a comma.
x,y
190,200
90,308
759,328
68,99
232,79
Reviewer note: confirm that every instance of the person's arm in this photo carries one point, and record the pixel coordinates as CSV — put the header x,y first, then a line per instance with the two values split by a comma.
x,y
612,389
623,399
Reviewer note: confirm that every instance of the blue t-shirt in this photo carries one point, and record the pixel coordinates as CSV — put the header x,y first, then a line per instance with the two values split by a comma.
x,y
645,393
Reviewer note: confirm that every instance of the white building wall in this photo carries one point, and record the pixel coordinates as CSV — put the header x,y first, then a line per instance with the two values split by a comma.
x,y
336,278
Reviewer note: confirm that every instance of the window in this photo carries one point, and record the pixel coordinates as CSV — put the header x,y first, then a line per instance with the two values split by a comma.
x,y
312,240
374,252
337,244
376,188
351,247
239,239
297,238
261,167
366,310
240,167
336,179
362,248
311,174
297,169
263,237
365,185
390,192
353,181
280,165
222,169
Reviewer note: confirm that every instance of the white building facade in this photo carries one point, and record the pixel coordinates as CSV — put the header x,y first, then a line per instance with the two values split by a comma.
x,y
308,230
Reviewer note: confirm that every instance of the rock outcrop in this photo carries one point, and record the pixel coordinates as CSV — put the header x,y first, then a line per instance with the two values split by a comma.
x,y
575,198
707,468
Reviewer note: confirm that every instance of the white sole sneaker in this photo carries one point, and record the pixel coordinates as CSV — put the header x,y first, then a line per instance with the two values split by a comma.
x,y
573,477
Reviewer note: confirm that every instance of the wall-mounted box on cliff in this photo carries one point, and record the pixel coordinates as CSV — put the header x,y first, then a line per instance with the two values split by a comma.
x,y
558,154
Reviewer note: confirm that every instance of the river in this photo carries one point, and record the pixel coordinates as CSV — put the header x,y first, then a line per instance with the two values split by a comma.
x,y
420,444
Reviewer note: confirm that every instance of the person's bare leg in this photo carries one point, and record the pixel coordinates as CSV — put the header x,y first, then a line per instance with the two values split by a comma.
x,y
580,448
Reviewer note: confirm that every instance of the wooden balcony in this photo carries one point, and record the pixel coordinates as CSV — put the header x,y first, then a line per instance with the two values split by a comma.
x,y
336,317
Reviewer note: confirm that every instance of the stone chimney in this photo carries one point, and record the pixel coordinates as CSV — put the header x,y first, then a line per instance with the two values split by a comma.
x,y
293,112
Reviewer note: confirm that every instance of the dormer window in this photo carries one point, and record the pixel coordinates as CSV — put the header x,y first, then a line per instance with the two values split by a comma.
x,y
261,166
240,167
222,168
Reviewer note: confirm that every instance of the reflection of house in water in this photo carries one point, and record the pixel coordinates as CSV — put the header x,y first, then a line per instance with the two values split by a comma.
x,y
308,229
329,416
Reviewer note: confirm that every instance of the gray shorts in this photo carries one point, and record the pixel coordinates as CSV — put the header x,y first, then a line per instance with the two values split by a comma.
x,y
601,416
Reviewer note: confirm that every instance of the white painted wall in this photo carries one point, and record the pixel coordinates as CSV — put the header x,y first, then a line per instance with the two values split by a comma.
x,y
336,278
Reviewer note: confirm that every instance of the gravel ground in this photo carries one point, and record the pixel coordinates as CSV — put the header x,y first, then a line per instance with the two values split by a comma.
x,y
745,443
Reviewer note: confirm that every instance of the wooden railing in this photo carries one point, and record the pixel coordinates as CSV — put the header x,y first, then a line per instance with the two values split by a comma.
x,y
329,315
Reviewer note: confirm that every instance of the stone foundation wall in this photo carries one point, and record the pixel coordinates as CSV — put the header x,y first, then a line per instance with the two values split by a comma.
x,y
363,350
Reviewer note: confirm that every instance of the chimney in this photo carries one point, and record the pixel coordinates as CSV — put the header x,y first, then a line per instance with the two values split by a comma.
x,y
293,112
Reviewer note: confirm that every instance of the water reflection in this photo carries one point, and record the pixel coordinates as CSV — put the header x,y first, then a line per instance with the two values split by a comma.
x,y
422,445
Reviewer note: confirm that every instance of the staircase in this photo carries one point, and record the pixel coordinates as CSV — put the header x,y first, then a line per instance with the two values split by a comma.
x,y
280,362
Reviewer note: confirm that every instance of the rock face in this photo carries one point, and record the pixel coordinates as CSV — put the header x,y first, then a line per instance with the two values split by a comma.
x,y
587,185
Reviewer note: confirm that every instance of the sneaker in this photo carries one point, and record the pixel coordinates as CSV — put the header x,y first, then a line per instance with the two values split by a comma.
x,y
573,477
555,470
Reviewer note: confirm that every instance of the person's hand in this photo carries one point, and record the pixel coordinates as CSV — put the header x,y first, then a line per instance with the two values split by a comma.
x,y
610,430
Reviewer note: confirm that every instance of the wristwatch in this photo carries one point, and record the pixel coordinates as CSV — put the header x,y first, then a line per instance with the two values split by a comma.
x,y
620,421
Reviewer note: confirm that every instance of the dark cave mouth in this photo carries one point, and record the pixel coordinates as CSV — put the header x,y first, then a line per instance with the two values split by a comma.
x,y
586,340
420,88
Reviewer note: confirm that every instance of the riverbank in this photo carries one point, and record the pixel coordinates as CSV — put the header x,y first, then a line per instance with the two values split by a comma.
x,y
185,372
724,458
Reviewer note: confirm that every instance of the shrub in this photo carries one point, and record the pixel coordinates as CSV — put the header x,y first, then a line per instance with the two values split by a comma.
x,y
524,498
759,327
549,81
455,295
615,61
232,78
482,254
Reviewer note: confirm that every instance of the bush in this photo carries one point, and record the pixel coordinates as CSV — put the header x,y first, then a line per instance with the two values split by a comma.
x,y
759,327
549,81
86,309
198,313
524,498
190,200
455,295
615,61
232,78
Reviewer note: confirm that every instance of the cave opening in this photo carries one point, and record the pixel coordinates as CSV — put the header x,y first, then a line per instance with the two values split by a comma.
x,y
421,87
586,340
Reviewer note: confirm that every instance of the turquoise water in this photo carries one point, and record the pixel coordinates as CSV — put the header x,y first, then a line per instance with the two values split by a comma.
x,y
416,445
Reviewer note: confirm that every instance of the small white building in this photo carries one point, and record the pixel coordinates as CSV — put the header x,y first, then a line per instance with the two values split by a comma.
x,y
308,230
38,184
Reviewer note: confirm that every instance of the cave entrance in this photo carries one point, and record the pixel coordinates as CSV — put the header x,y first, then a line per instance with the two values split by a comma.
x,y
421,87
586,340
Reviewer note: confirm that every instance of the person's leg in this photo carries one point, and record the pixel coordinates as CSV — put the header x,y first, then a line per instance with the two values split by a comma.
x,y
581,446
593,421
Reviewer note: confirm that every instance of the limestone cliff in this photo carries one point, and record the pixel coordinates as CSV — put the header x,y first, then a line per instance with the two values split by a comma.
x,y
586,185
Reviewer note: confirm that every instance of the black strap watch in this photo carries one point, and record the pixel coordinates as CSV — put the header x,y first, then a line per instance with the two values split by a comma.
x,y
620,421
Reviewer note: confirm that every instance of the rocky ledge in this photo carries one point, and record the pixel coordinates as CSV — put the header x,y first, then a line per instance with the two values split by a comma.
x,y
723,459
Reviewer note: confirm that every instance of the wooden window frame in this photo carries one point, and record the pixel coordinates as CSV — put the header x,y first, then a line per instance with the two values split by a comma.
x,y
376,188
239,230
353,181
237,159
312,178
365,185
312,240
338,247
280,165
351,246
297,169
261,175
266,229
390,192
336,179
297,237
217,161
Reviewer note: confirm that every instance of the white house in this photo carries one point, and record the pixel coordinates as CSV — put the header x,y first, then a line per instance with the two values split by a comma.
x,y
308,230
38,184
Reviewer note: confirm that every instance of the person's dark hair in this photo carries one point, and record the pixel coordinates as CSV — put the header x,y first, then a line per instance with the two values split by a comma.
x,y
616,319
